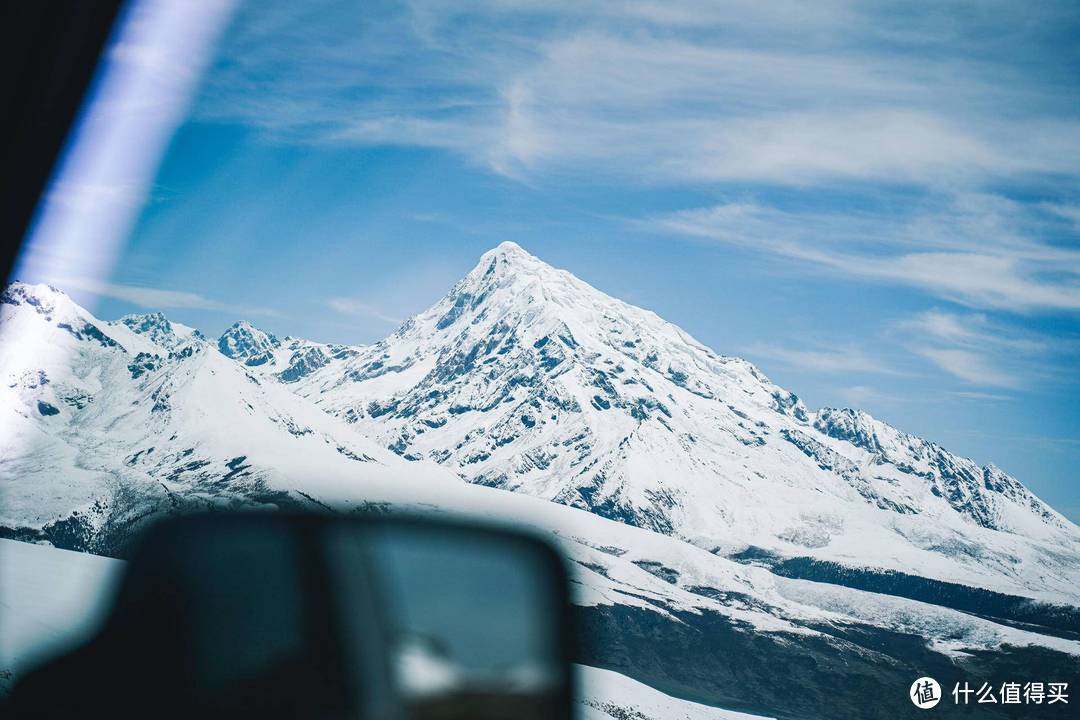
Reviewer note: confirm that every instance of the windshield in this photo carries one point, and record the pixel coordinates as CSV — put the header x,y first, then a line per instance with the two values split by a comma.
x,y
766,313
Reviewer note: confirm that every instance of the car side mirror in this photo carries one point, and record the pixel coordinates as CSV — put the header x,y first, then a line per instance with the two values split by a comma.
x,y
277,615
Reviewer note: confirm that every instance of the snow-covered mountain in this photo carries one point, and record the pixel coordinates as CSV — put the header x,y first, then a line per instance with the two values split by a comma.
x,y
699,503
287,360
100,419
526,378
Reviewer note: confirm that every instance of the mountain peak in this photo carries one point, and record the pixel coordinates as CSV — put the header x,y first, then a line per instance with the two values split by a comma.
x,y
46,300
147,323
526,377
513,290
509,251
153,326
243,341
506,276
507,259
18,291
507,247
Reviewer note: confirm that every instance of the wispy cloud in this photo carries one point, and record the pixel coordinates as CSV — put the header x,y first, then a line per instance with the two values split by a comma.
x,y
1069,212
716,91
980,351
972,395
969,366
979,250
824,360
973,331
348,306
159,298
810,98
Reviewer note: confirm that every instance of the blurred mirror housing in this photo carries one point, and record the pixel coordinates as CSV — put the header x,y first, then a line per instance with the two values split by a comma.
x,y
323,616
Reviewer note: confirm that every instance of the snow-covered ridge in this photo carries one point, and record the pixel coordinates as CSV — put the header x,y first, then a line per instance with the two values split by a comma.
x,y
98,419
246,343
288,360
524,377
623,419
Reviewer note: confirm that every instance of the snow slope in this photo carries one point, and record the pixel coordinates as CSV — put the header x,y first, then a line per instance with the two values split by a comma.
x,y
607,695
526,378
533,386
97,418
286,360
105,423
50,600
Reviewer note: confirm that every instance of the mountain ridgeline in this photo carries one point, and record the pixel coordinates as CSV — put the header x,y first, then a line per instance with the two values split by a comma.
x,y
525,378
695,498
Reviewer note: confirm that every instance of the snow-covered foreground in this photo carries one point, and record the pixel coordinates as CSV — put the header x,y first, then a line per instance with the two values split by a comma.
x,y
52,599
606,695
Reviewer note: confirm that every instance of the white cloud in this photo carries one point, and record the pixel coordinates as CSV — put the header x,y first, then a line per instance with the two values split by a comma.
x,y
157,298
348,306
977,250
969,366
974,395
972,330
979,280
791,93
1068,212
837,98
978,350
970,347
825,360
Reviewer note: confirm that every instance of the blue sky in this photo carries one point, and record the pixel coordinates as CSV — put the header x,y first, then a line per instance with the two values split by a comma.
x,y
880,206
